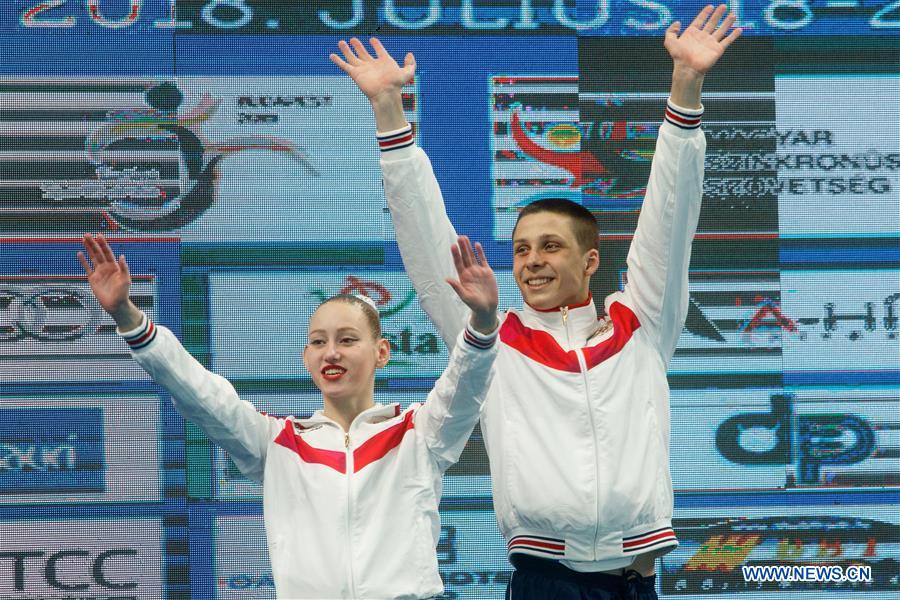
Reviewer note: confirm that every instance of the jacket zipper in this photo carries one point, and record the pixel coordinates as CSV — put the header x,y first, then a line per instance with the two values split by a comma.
x,y
582,365
349,466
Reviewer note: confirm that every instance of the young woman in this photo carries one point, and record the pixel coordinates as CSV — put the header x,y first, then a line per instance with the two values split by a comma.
x,y
350,494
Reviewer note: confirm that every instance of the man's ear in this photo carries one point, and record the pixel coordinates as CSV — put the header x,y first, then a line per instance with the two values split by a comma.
x,y
384,353
592,261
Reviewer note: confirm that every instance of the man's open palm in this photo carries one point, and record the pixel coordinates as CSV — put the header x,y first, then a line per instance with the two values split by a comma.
x,y
701,45
374,75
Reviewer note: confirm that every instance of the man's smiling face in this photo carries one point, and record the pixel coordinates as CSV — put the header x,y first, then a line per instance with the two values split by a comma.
x,y
550,267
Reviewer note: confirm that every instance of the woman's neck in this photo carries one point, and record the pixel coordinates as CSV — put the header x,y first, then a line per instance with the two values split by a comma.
x,y
343,411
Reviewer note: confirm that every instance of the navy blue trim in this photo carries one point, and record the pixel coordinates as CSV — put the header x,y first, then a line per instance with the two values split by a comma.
x,y
388,137
480,342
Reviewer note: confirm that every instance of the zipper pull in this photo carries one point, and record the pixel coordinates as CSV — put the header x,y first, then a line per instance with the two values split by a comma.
x,y
346,440
565,313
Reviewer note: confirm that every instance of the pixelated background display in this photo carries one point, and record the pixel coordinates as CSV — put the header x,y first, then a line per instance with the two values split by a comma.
x,y
221,150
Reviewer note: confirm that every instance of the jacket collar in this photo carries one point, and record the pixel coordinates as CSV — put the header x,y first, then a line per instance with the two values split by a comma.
x,y
373,414
580,318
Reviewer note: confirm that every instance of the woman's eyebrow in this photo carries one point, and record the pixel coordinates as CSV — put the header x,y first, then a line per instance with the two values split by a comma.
x,y
346,329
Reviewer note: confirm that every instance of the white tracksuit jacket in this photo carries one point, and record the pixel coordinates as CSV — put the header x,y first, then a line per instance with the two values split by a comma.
x,y
352,516
576,423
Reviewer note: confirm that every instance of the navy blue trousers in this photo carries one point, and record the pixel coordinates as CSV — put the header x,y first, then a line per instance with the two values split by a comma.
x,y
544,579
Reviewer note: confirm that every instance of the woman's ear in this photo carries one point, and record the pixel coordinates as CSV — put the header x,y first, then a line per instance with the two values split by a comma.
x,y
384,353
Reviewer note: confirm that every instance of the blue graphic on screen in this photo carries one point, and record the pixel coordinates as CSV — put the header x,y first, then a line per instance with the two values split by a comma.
x,y
52,450
584,17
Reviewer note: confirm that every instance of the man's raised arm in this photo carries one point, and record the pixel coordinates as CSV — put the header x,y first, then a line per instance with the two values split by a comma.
x,y
424,232
660,252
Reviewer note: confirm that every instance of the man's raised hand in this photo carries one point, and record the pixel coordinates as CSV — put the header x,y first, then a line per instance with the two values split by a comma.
x,y
110,281
380,78
376,75
476,286
701,45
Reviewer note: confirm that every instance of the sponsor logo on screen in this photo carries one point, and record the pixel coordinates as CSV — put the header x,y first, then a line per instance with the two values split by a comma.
x,y
846,322
810,442
51,328
765,440
838,176
247,581
766,321
47,314
734,324
277,307
158,155
136,153
461,577
52,450
73,570
95,559
83,448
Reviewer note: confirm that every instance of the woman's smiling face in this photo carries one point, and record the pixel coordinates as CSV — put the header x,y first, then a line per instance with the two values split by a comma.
x,y
342,351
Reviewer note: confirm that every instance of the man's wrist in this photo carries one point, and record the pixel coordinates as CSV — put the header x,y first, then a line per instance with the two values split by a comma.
x,y
485,324
142,335
388,109
687,86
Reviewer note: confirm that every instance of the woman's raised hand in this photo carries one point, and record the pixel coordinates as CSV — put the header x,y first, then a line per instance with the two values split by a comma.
x,y
476,286
110,280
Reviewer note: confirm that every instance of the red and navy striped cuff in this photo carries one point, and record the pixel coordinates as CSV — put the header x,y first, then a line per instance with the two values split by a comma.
x,y
683,117
394,140
652,539
537,545
141,337
479,340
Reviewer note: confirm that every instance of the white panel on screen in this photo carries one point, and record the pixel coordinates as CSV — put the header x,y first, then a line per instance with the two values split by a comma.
x,y
839,158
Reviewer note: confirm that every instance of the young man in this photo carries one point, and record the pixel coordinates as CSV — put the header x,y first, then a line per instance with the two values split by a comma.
x,y
576,422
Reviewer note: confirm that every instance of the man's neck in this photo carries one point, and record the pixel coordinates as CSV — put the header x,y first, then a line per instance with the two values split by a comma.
x,y
568,304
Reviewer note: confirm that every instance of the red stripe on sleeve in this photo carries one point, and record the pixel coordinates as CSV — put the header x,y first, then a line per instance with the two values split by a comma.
x,y
144,337
396,141
681,119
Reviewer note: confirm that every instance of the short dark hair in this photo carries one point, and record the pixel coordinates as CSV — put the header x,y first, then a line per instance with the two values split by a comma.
x,y
369,310
584,225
